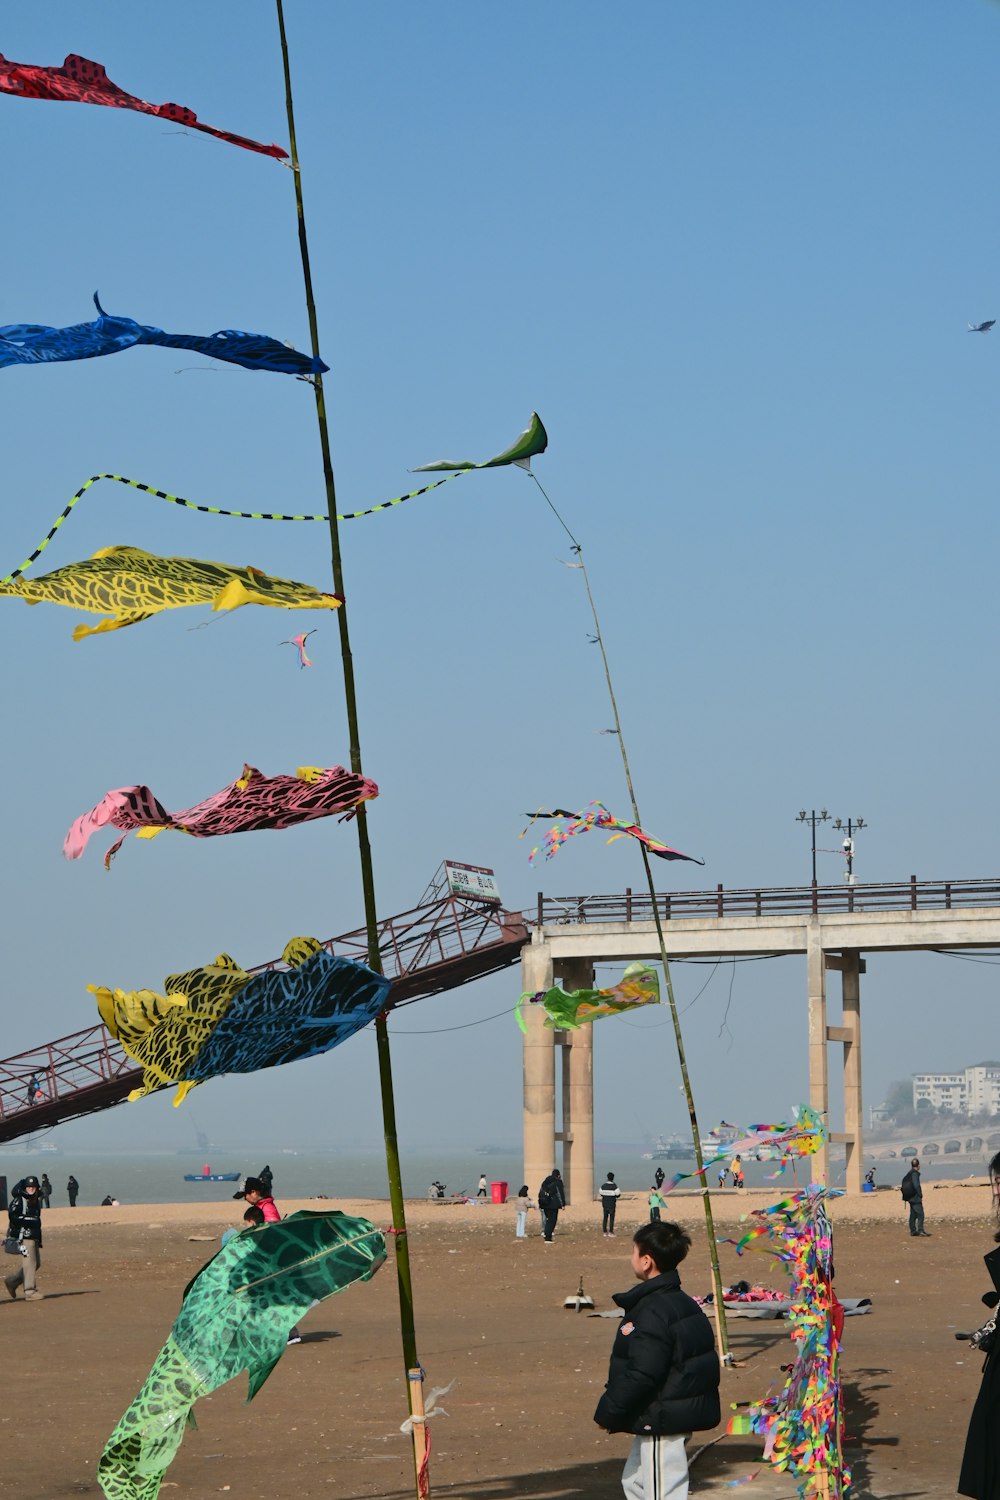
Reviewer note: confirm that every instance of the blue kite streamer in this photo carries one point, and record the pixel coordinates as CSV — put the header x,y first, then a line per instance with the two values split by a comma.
x,y
34,344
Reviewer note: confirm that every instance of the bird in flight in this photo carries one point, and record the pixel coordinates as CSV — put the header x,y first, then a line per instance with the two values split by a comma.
x,y
982,327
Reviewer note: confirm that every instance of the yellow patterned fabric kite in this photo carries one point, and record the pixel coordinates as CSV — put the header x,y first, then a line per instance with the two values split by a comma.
x,y
133,585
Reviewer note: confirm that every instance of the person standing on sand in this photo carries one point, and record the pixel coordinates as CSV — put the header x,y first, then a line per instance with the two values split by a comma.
x,y
663,1379
551,1198
25,1226
913,1196
658,1176
522,1203
72,1188
980,1476
610,1193
45,1190
266,1176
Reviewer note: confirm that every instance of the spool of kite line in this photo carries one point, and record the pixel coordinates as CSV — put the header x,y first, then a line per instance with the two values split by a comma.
x,y
211,510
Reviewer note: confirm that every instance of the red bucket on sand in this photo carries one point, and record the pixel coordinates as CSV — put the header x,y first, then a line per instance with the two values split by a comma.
x,y
499,1190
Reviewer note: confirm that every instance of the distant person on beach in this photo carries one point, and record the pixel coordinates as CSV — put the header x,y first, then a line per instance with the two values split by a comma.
x,y
656,1202
658,1176
45,1190
72,1188
610,1193
110,1202
25,1226
979,1476
723,1174
522,1203
551,1198
736,1168
663,1379
266,1176
251,1217
481,1189
913,1196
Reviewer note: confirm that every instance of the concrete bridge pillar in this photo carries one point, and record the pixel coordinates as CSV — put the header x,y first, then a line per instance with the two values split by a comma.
x,y
539,1070
577,1132
819,1081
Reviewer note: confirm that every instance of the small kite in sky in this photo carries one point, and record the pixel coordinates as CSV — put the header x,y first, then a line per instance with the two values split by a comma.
x,y
532,441
135,585
80,81
300,642
222,1019
236,1315
36,344
252,802
982,327
596,815
568,1010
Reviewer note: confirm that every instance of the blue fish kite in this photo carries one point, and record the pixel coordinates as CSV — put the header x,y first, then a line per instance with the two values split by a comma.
x,y
34,344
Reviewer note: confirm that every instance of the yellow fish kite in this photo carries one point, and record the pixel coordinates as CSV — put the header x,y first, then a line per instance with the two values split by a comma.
x,y
133,585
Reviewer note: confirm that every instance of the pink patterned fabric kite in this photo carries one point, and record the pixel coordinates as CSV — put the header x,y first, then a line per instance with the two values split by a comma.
x,y
254,801
81,81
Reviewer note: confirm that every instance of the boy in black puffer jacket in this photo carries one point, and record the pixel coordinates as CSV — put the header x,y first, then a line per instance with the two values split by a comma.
x,y
663,1380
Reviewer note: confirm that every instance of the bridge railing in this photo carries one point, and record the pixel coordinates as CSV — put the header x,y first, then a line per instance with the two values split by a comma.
x,y
80,1061
780,901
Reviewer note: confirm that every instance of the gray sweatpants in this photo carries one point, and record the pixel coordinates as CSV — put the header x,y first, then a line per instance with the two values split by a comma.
x,y
26,1275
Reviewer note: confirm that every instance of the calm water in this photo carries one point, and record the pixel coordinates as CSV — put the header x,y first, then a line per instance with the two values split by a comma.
x,y
157,1177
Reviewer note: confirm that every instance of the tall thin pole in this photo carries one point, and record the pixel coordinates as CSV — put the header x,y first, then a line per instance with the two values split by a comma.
x,y
407,1327
713,1248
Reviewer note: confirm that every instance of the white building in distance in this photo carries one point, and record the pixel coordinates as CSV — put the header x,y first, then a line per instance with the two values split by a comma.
x,y
973,1092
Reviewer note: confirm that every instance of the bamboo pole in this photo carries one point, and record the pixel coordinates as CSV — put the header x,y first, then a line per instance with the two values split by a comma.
x,y
407,1326
713,1248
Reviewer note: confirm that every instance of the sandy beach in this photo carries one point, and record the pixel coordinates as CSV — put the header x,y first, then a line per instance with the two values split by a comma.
x,y
490,1318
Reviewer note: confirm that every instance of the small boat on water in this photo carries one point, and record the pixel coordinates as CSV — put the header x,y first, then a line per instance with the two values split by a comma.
x,y
212,1176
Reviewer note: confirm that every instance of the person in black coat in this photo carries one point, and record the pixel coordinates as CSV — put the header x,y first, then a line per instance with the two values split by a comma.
x,y
980,1476
25,1226
663,1379
551,1198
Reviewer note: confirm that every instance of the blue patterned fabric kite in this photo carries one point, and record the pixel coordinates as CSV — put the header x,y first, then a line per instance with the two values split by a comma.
x,y
34,344
221,1019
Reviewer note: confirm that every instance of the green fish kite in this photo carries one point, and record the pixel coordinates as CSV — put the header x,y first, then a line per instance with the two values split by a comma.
x,y
639,985
533,440
235,1315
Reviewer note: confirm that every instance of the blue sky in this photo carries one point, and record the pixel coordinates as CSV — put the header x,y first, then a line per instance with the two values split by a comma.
x,y
729,254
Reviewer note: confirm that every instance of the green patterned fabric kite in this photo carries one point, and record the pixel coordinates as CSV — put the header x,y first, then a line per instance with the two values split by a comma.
x,y
235,1315
639,985
532,441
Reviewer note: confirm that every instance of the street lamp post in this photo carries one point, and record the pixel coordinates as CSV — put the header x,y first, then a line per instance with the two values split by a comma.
x,y
813,818
850,828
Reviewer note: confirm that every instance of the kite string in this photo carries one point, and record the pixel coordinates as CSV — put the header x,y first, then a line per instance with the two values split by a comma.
x,y
210,510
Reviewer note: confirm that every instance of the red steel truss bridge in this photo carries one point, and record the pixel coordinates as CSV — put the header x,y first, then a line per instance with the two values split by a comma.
x,y
434,947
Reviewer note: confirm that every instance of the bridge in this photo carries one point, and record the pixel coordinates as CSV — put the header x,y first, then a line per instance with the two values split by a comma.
x,y
831,926
448,940
434,947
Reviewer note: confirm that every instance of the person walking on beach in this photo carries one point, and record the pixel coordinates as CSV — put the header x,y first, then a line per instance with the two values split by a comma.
x,y
72,1188
25,1226
979,1476
914,1197
663,1378
481,1189
45,1190
658,1176
551,1198
610,1193
522,1203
